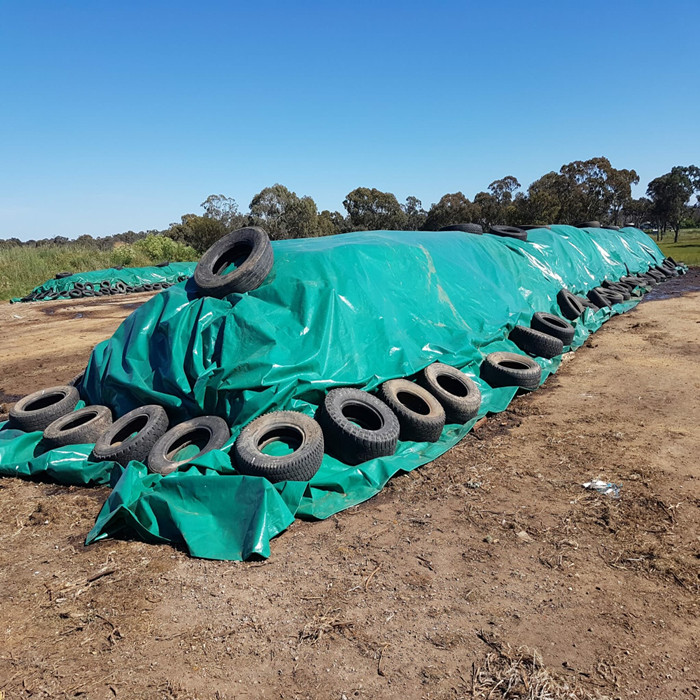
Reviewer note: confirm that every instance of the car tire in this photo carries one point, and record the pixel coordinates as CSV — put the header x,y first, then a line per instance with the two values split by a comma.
x,y
554,326
569,304
509,232
132,436
501,369
249,248
79,427
536,342
210,430
300,431
458,394
38,410
421,416
357,426
466,228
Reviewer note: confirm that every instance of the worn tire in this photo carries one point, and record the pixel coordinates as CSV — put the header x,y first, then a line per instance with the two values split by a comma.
x,y
532,227
509,232
421,416
511,369
62,275
554,326
211,430
79,427
75,293
617,287
303,432
613,297
357,426
38,410
466,228
588,224
132,436
536,342
249,248
458,393
569,304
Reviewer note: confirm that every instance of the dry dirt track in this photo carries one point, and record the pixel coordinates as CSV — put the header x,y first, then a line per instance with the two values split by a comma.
x,y
387,600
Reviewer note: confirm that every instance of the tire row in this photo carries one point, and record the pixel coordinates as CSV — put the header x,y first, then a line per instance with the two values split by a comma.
x,y
105,288
350,424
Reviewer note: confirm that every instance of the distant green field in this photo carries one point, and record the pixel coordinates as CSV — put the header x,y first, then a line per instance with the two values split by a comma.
x,y
687,249
23,268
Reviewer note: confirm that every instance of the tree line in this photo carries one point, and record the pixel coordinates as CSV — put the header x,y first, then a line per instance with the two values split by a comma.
x,y
581,191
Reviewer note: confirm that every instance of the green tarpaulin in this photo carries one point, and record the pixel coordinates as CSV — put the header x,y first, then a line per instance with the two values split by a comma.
x,y
131,276
348,310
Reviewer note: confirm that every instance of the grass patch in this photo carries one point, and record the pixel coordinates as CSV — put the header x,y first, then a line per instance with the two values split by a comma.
x,y
687,250
23,268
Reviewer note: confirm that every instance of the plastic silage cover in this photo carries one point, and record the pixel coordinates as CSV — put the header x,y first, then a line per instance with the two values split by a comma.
x,y
349,310
132,276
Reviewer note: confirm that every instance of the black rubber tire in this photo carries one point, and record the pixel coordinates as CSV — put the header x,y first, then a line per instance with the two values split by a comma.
x,y
118,267
458,394
509,232
88,286
62,275
612,228
38,410
156,287
139,289
50,296
588,224
132,436
554,326
165,263
511,369
663,271
536,342
672,261
88,293
79,427
113,291
598,297
569,304
105,284
120,287
77,380
650,280
251,246
130,289
357,426
532,227
613,296
79,285
297,428
466,228
75,293
148,287
421,416
590,305
617,287
211,430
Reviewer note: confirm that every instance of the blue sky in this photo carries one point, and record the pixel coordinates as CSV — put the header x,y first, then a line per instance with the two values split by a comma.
x,y
126,115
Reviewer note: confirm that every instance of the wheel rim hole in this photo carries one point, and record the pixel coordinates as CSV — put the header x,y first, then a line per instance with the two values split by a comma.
x,y
79,420
362,415
44,401
130,430
232,259
513,364
452,385
281,441
188,446
413,402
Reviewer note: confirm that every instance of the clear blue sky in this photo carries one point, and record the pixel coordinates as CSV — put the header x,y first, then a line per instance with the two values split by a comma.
x,y
126,115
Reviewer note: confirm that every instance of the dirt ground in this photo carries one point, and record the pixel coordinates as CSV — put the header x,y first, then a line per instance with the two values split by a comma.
x,y
427,590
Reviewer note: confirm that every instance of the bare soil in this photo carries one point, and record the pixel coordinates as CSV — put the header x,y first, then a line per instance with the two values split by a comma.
x,y
430,590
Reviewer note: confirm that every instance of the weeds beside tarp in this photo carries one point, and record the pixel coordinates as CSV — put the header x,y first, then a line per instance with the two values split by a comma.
x,y
129,276
349,310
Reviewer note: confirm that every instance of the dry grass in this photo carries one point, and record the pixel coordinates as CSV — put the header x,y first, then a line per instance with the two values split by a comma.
x,y
520,674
